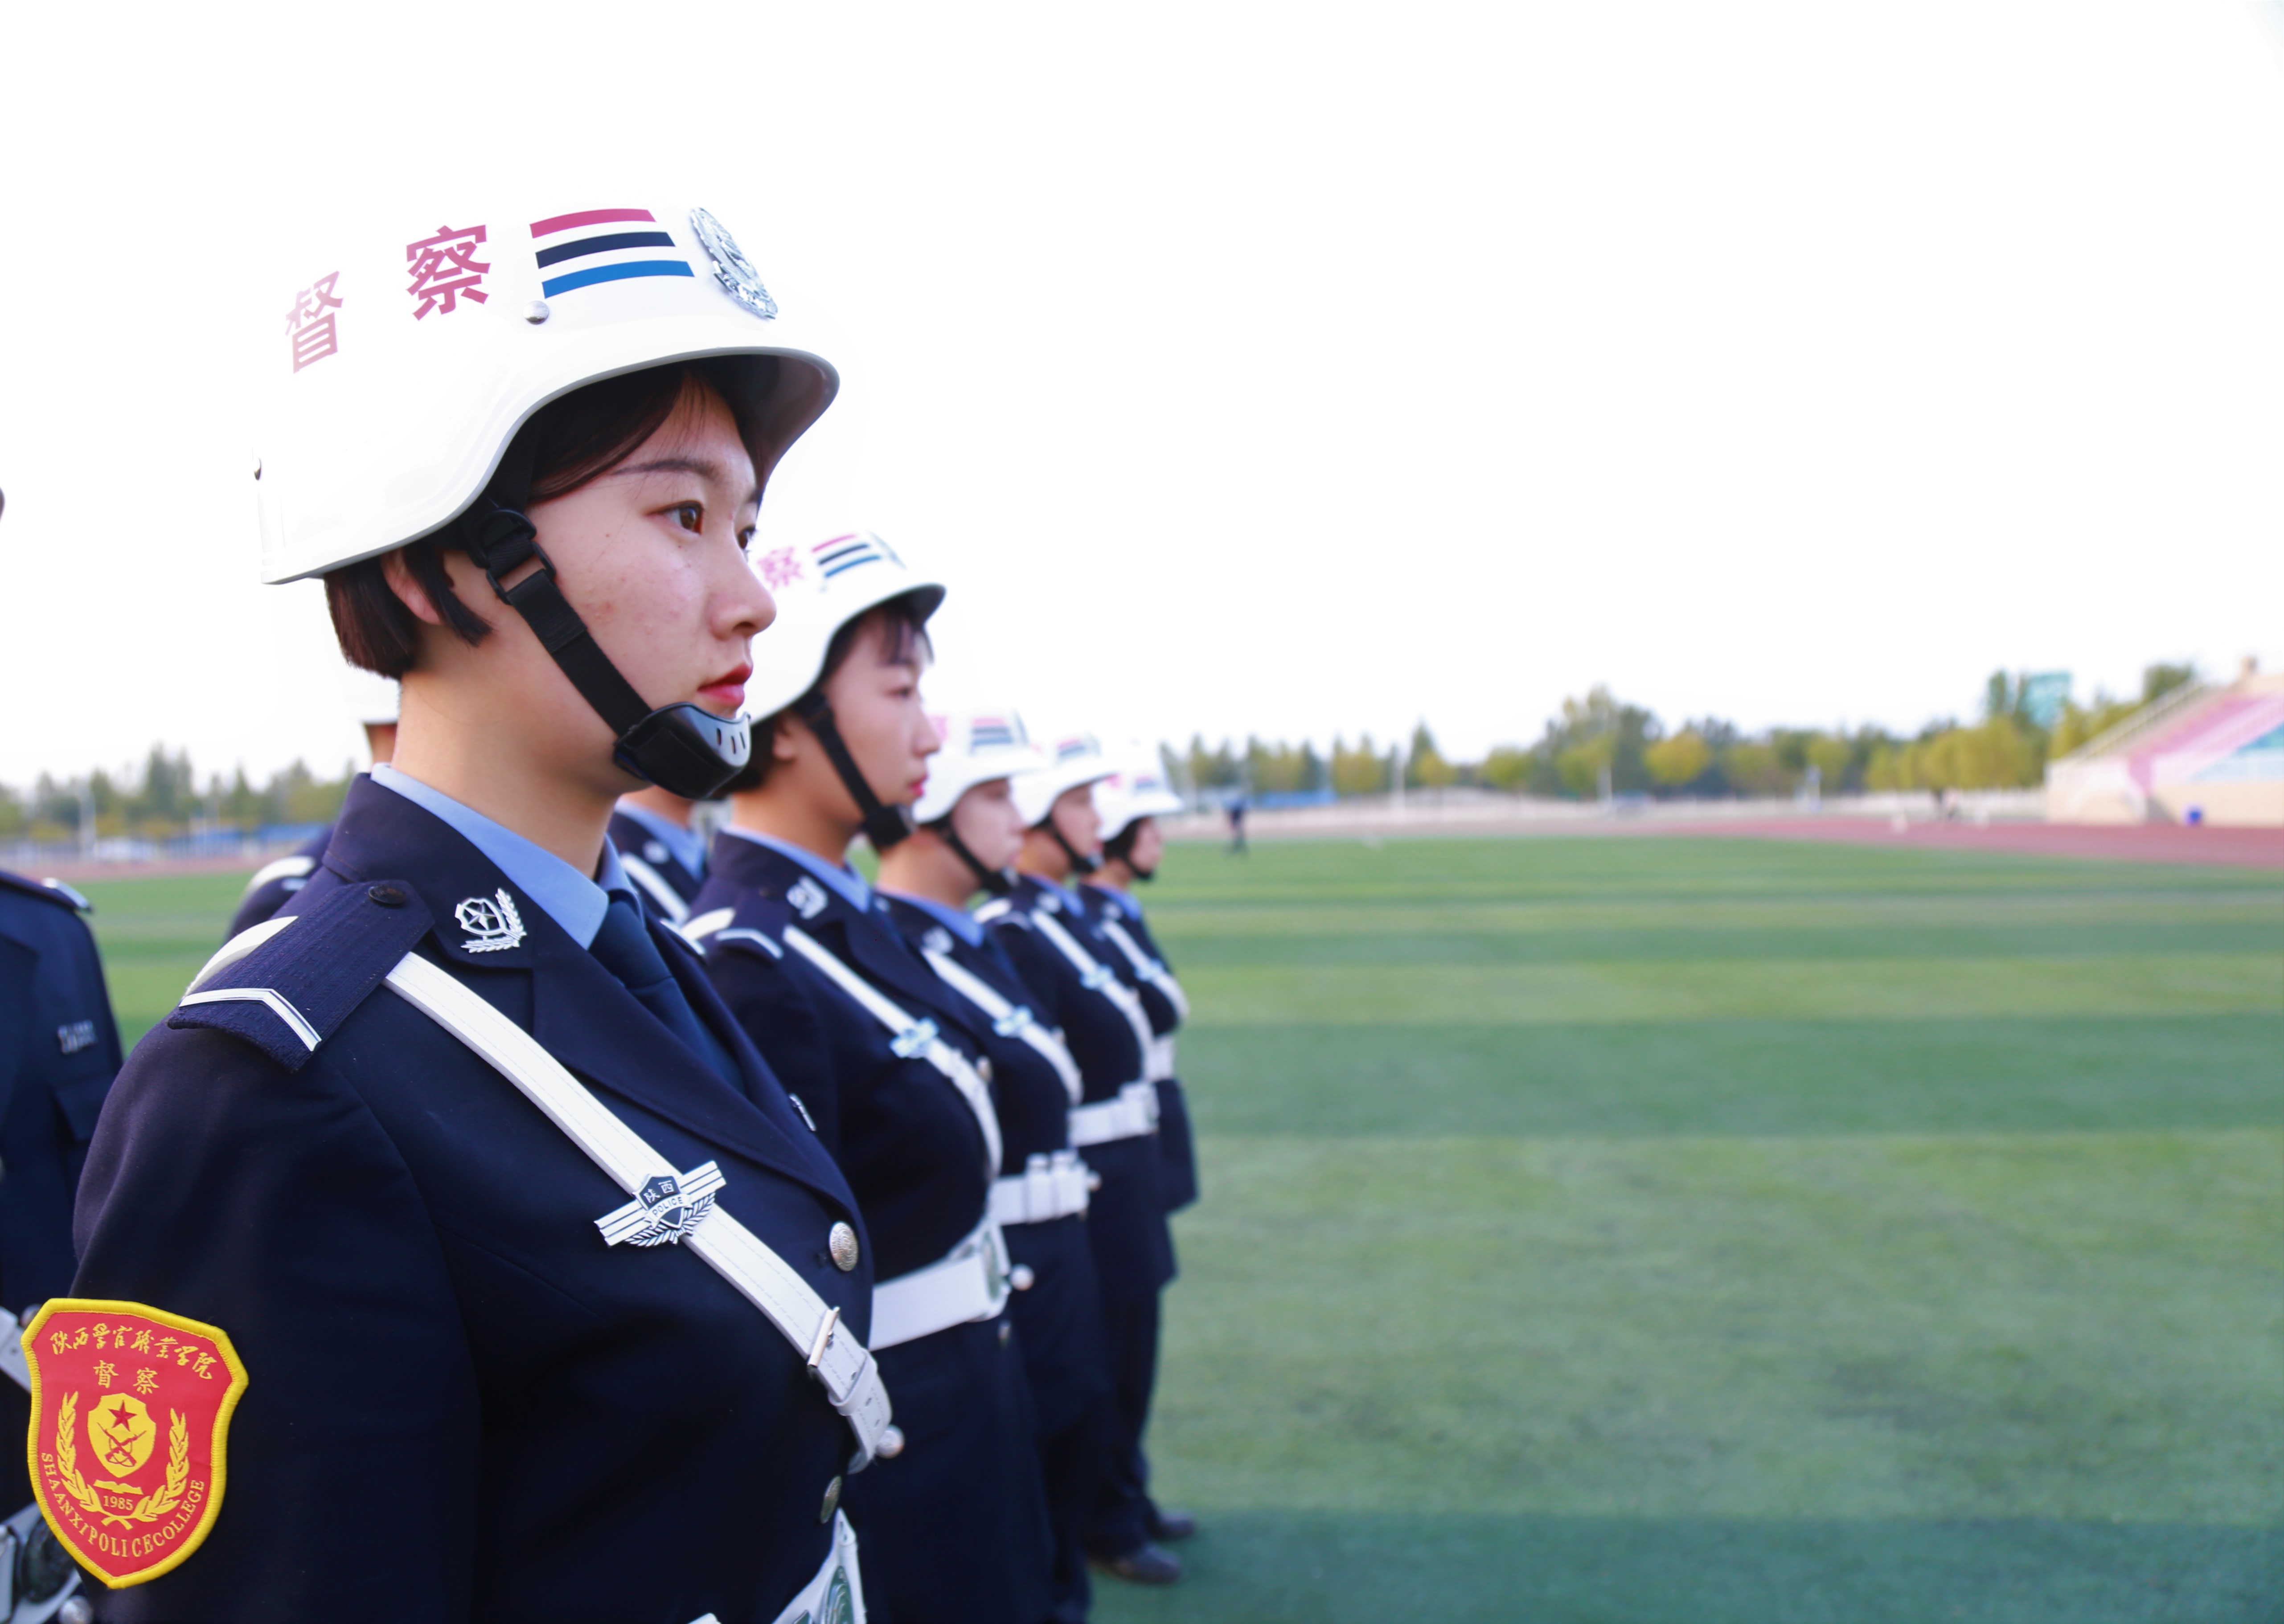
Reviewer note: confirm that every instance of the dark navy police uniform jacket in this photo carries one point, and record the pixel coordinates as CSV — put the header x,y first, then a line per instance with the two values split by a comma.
x,y
1058,1317
1176,1143
669,885
954,1527
59,1052
1126,1224
462,1404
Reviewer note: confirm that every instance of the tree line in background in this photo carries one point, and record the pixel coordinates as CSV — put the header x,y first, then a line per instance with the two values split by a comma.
x,y
1599,745
163,800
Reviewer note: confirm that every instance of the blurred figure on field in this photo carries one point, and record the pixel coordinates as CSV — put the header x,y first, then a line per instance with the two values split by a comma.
x,y
373,703
1237,845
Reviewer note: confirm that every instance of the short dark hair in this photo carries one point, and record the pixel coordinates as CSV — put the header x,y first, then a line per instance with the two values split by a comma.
x,y
571,441
904,629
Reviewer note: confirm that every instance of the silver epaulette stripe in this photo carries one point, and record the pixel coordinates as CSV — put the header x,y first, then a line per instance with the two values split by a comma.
x,y
238,945
270,996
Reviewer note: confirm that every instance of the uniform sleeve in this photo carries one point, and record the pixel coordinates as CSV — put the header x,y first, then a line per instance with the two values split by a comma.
x,y
776,1013
274,1207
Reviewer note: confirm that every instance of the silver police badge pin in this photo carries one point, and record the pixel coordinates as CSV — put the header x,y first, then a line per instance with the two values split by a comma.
x,y
733,270
938,939
492,924
806,896
665,1209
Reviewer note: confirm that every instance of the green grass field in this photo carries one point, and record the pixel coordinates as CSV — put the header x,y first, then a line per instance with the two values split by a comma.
x,y
1692,1229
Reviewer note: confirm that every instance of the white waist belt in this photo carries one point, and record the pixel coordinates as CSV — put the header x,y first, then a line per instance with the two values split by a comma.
x,y
1134,1112
837,1593
1048,1188
967,1282
1158,1064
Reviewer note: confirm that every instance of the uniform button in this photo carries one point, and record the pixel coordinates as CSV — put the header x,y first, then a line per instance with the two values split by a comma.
x,y
891,1444
1006,1330
831,1502
1020,1276
841,1243
387,896
983,1069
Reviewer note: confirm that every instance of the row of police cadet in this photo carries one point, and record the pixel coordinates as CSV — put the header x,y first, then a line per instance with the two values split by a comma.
x,y
612,1227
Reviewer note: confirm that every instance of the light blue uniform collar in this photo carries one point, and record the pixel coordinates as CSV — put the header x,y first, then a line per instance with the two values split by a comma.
x,y
957,923
687,846
840,877
562,893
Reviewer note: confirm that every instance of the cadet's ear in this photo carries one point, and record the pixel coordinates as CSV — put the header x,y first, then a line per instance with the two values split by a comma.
x,y
782,745
398,573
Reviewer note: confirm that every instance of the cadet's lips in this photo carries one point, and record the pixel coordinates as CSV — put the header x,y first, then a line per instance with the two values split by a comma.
x,y
725,693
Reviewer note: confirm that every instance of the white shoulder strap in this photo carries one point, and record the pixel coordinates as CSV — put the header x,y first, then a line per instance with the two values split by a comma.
x,y
912,1036
1097,978
851,1378
295,867
1151,969
671,907
1008,1019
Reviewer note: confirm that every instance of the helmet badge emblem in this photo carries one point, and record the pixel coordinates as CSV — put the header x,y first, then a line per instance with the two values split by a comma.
x,y
733,270
492,924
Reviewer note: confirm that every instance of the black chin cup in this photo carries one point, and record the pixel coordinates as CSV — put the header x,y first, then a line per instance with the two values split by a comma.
x,y
681,748
1081,863
883,825
998,882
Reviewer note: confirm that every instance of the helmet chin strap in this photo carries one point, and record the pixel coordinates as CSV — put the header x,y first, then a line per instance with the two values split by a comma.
x,y
1121,846
998,882
884,826
1081,863
681,748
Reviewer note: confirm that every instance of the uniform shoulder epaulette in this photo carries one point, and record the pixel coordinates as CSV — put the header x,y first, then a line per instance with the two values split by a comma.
x,y
53,891
757,924
288,985
1001,910
297,868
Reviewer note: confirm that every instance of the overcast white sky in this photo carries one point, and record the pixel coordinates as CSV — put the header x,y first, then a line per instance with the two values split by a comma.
x,y
1283,369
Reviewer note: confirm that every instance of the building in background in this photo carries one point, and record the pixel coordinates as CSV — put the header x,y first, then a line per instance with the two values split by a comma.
x,y
2204,753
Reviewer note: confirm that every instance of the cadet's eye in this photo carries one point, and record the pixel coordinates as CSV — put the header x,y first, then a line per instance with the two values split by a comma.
x,y
745,537
690,516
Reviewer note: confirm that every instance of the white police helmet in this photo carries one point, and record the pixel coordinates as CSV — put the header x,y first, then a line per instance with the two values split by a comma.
x,y
410,358
979,746
372,699
819,588
1072,760
1136,790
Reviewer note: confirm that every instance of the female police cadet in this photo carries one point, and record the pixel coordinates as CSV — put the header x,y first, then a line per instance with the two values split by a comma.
x,y
968,836
1046,929
1128,805
536,1296
954,1522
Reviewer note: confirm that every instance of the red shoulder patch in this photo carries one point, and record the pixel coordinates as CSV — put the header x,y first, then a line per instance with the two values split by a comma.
x,y
130,1410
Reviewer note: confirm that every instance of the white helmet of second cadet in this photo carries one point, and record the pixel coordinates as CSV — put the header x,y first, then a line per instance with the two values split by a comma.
x,y
372,698
819,588
1136,790
410,358
979,746
1074,759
